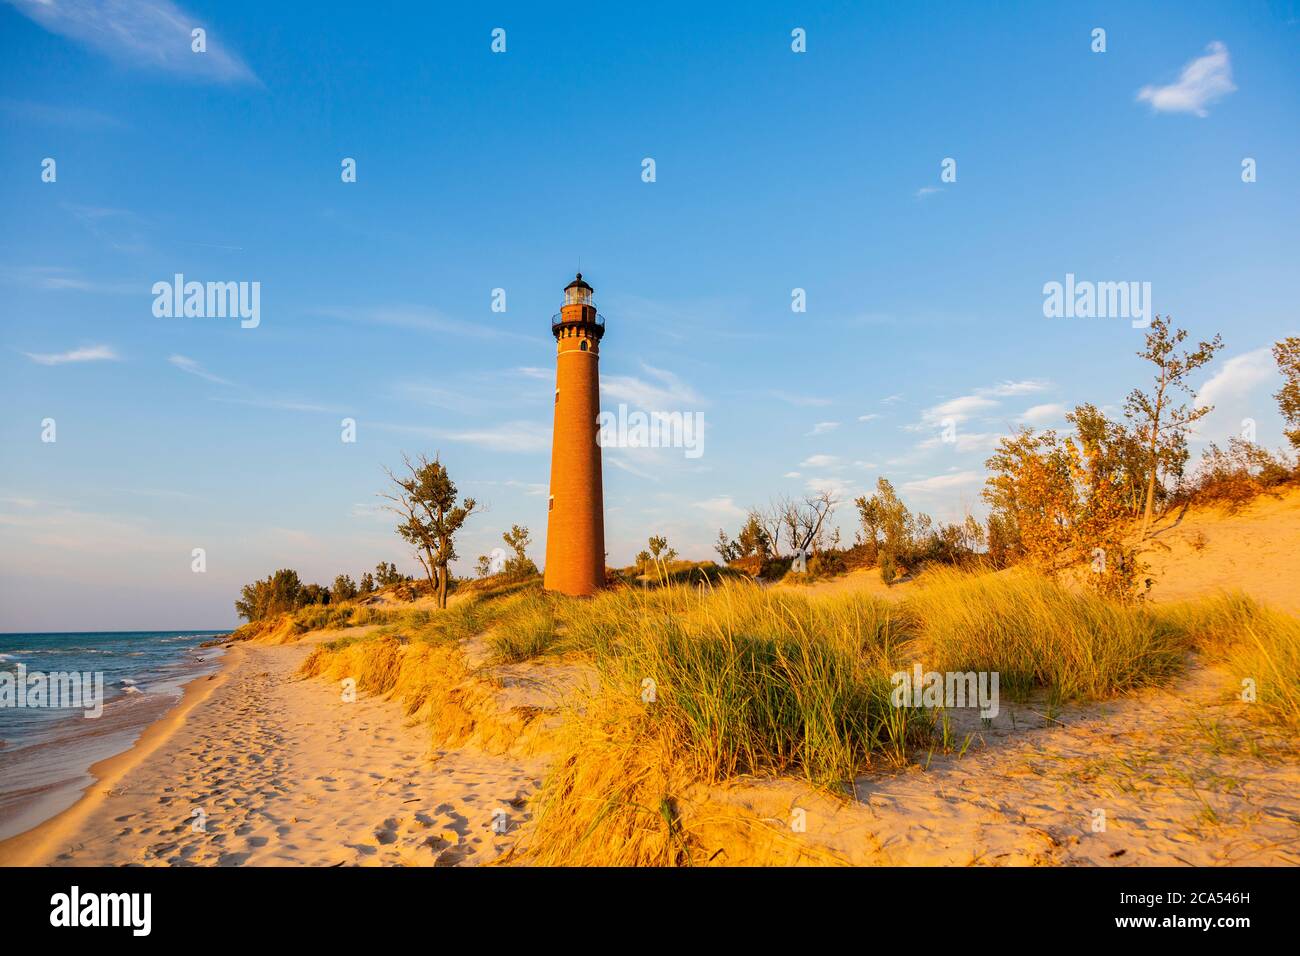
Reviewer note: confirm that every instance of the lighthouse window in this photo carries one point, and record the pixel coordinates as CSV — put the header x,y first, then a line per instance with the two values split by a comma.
x,y
551,504
557,396
584,345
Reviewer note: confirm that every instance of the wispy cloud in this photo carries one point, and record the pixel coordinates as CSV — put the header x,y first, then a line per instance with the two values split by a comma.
x,y
959,479
186,364
722,507
1237,377
821,428
89,353
1203,81
419,319
868,418
624,465
1009,388
72,117
153,34
369,510
925,191
1241,388
955,410
964,441
59,279
666,392
964,407
820,461
840,488
1042,414
508,436
282,405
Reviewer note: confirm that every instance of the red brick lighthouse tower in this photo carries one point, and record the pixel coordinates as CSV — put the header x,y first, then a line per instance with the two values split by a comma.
x,y
575,524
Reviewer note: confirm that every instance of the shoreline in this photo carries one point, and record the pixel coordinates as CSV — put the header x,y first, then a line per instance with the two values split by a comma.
x,y
30,846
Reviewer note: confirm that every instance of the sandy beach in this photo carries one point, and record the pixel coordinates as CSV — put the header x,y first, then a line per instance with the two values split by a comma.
x,y
254,766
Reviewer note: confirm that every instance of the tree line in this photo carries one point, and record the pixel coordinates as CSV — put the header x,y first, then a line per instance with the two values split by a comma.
x,y
284,591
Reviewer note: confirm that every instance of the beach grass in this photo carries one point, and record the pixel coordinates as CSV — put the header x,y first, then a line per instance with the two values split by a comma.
x,y
1260,646
700,684
1040,635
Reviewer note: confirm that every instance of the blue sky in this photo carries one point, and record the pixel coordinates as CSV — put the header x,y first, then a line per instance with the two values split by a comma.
x,y
775,170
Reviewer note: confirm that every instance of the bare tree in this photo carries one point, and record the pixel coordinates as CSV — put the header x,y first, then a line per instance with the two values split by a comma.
x,y
804,520
770,521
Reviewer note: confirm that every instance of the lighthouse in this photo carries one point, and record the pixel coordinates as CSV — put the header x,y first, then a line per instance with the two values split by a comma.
x,y
575,521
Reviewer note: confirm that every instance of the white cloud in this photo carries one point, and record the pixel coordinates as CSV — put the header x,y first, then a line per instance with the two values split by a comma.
x,y
508,436
666,393
1022,387
149,33
965,441
1041,414
959,479
927,191
791,474
723,507
956,410
819,461
839,487
1203,80
186,364
821,428
90,353
1238,376
1240,389
868,418
964,407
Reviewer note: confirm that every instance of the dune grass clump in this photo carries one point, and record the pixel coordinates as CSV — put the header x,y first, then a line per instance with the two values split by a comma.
x,y
373,663
703,685
1259,645
320,617
748,681
526,629
1038,634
